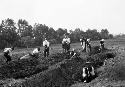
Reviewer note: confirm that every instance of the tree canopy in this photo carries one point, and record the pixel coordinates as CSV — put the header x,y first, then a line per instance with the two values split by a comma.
x,y
22,34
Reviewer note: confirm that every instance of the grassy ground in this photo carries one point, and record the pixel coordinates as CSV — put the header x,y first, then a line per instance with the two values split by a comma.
x,y
102,80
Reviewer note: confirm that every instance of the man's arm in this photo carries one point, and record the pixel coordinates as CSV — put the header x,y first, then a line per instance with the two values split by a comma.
x,y
69,40
63,41
48,44
43,43
10,52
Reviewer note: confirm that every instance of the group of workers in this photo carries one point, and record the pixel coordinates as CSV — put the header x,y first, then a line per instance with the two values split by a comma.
x,y
85,43
35,53
88,71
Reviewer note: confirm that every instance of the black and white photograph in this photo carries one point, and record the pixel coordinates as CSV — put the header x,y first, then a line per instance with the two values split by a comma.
x,y
62,43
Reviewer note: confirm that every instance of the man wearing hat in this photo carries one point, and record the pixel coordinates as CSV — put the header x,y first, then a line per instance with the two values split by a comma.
x,y
83,43
46,47
8,53
66,43
102,44
88,72
88,49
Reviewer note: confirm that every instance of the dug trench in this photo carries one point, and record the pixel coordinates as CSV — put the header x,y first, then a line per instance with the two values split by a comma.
x,y
26,67
57,71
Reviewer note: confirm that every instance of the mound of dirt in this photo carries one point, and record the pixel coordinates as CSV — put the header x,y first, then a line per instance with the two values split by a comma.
x,y
20,69
58,77
115,72
112,74
96,49
53,59
69,70
98,59
27,67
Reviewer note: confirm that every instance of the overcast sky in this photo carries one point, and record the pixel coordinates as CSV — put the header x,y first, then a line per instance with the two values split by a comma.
x,y
69,14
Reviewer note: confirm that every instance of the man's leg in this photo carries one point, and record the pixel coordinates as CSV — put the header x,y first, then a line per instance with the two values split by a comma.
x,y
44,53
102,47
47,51
85,47
90,48
8,58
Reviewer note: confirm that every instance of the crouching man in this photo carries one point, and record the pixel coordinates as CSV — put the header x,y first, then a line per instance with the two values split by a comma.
x,y
46,47
72,53
88,73
34,53
8,53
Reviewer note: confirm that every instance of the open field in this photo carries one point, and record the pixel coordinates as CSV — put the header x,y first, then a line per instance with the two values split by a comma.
x,y
108,75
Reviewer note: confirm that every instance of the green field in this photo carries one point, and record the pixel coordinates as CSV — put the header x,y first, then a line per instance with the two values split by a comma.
x,y
101,81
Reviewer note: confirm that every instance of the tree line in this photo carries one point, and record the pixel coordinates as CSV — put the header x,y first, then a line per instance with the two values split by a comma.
x,y
22,34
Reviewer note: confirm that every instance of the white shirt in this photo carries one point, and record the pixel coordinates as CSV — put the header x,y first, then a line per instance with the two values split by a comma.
x,y
67,40
83,74
8,50
80,39
92,73
46,43
35,51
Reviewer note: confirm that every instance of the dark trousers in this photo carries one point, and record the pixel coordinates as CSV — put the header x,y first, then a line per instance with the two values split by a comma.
x,y
102,46
88,48
66,47
46,52
8,57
